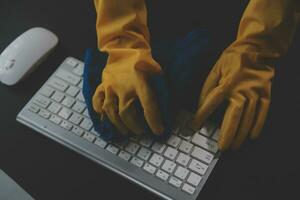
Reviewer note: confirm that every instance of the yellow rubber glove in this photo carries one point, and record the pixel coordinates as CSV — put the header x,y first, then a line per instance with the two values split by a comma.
x,y
244,72
122,33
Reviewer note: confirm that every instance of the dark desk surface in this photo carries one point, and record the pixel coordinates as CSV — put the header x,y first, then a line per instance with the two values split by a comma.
x,y
265,169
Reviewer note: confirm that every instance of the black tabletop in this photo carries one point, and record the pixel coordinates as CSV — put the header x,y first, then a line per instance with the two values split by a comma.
x,y
264,169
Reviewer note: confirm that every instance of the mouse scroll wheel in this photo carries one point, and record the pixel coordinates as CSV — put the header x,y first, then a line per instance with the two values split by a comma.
x,y
6,64
9,64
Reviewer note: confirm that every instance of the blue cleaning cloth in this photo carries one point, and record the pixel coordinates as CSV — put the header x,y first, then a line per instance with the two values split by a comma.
x,y
180,59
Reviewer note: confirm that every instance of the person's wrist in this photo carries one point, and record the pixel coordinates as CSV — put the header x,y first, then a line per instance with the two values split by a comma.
x,y
135,59
129,41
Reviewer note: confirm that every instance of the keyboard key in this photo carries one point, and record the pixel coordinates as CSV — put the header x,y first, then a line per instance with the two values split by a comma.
x,y
47,91
78,131
174,141
202,155
67,76
44,114
137,162
41,101
55,119
72,91
86,113
149,168
198,167
187,188
144,153
158,147
54,107
124,155
68,101
185,137
33,108
186,134
58,96
66,125
121,143
146,141
65,113
86,124
58,84
132,147
205,142
78,70
207,129
101,143
156,160
113,149
94,132
80,96
162,175
72,62
185,147
194,179
170,153
169,166
175,182
181,172
80,84
75,118
90,137
216,135
79,107
183,159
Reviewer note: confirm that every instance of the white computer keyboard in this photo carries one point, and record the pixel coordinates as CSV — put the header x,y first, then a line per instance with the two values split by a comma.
x,y
176,169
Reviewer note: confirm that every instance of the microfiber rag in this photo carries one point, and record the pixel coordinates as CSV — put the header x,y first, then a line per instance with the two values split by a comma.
x,y
180,59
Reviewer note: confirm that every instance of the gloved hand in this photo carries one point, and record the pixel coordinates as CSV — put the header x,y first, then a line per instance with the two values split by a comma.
x,y
244,72
123,34
124,79
181,58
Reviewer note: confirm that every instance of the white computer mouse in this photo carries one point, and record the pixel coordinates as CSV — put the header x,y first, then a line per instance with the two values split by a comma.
x,y
25,53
